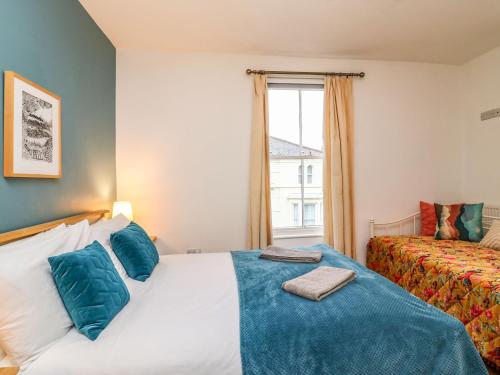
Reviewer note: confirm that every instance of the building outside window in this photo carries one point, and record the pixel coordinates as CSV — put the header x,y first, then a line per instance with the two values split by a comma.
x,y
296,158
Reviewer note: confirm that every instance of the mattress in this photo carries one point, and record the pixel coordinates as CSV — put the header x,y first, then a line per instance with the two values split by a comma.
x,y
461,278
150,335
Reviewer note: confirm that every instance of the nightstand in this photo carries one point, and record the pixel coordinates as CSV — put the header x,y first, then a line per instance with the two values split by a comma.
x,y
9,370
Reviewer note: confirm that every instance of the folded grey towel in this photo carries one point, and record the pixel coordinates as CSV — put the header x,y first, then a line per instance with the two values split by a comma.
x,y
289,255
320,283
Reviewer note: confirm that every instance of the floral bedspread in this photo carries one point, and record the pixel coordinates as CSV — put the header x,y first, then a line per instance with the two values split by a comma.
x,y
461,278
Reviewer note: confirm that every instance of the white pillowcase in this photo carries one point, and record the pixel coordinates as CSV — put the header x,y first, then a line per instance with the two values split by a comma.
x,y
492,237
33,316
101,231
4,361
33,240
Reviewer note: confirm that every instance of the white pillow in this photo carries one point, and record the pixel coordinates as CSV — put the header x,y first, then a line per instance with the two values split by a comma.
x,y
4,362
492,237
101,231
32,240
32,314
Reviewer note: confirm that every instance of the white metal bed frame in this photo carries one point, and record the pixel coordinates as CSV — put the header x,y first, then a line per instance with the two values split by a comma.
x,y
410,224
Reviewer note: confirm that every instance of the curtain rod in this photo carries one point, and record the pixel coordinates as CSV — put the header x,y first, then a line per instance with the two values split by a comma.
x,y
278,72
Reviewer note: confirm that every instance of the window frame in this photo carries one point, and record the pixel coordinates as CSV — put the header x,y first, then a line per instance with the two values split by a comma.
x,y
302,231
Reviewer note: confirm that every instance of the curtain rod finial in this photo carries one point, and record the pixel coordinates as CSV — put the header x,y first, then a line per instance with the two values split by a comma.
x,y
249,71
362,74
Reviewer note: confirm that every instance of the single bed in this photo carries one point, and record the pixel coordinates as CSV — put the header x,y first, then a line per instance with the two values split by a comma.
x,y
225,313
458,277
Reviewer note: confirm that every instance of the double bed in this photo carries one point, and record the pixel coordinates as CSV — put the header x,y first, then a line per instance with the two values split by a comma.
x,y
225,313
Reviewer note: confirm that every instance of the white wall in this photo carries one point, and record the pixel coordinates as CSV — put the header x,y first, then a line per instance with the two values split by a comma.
x,y
480,88
183,133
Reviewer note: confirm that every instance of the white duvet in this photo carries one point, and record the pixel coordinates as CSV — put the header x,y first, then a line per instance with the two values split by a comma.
x,y
183,320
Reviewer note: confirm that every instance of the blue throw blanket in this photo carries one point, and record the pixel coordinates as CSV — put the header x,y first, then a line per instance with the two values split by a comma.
x,y
371,326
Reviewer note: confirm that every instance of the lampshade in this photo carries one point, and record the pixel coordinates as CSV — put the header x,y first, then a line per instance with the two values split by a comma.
x,y
124,208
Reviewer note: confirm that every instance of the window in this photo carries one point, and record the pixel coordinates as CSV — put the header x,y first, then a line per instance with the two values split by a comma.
x,y
296,157
296,216
309,214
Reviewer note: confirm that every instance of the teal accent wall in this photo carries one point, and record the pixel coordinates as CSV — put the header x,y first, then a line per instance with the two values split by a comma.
x,y
56,44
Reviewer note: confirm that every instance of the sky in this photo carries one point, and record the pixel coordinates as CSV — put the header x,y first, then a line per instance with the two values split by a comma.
x,y
284,116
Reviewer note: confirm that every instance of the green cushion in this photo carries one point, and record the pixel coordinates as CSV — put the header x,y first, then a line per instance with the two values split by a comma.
x,y
89,285
136,251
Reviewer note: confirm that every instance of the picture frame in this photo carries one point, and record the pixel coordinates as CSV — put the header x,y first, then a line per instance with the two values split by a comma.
x,y
32,129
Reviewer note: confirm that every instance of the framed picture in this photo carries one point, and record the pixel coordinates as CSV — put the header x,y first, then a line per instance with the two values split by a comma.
x,y
32,130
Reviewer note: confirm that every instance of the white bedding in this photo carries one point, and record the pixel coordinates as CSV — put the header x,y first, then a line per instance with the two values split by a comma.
x,y
183,320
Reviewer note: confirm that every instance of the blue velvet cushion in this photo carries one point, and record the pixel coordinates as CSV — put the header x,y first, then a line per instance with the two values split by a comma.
x,y
136,251
89,285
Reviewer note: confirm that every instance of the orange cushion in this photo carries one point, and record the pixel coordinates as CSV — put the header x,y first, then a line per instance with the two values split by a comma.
x,y
428,219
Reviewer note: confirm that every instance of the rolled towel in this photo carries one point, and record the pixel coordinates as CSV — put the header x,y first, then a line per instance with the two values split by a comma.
x,y
319,283
288,255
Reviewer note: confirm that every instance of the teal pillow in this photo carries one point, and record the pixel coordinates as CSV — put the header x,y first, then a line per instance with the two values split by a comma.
x,y
90,287
460,222
136,251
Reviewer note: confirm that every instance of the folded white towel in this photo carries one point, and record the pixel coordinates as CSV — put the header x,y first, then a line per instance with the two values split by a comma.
x,y
319,283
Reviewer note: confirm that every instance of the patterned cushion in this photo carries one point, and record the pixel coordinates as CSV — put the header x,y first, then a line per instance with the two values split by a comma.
x,y
136,251
428,219
460,222
492,238
90,287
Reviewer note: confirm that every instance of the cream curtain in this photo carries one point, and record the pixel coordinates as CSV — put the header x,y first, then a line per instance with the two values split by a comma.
x,y
337,171
259,209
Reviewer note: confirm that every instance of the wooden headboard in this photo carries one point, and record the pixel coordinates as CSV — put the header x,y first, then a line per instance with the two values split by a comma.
x,y
91,216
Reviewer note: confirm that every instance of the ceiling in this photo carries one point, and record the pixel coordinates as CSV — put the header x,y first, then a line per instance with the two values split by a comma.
x,y
437,31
